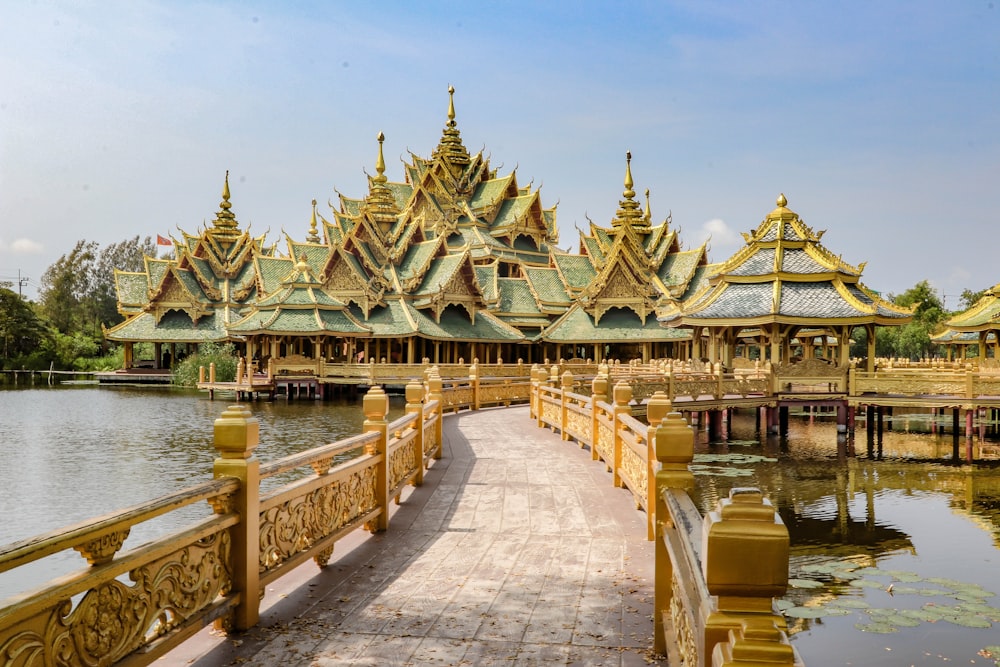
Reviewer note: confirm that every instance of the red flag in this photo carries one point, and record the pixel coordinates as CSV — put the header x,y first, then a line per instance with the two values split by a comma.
x,y
162,240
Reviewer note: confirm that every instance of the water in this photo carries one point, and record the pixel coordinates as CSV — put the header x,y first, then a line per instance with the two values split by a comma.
x,y
72,453
913,514
914,510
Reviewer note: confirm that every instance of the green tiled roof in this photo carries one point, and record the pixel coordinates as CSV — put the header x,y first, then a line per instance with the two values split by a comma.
x,y
489,192
547,284
486,277
511,211
593,248
439,273
616,325
678,267
983,313
271,271
416,258
401,193
191,283
131,288
299,321
516,297
174,327
576,270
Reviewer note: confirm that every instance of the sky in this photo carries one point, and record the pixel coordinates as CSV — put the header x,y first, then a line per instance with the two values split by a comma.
x,y
879,121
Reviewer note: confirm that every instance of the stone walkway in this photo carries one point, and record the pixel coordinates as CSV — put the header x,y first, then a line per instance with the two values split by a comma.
x,y
517,550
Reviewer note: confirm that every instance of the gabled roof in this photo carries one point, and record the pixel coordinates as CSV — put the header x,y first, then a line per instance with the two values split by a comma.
x,y
616,325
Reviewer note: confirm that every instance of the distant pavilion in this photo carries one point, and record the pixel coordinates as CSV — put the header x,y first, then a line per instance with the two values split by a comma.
x,y
782,285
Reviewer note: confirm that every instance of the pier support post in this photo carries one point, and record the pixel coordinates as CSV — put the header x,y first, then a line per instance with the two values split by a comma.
x,y
237,434
842,417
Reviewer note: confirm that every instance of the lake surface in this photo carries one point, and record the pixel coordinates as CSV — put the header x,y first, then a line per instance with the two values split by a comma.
x,y
913,514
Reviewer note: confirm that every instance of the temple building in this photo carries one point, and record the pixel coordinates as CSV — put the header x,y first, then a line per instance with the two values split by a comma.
x,y
456,262
781,285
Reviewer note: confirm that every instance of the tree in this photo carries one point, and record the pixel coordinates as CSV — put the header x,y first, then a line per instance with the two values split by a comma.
x,y
969,298
21,330
78,290
913,340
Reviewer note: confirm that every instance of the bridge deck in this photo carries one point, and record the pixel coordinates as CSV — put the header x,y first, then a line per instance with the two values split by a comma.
x,y
517,550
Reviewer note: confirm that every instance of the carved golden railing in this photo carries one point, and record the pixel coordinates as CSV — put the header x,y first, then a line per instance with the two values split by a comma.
x,y
713,607
216,568
968,383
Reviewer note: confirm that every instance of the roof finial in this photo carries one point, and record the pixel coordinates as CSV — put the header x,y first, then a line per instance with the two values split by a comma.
x,y
649,215
225,218
629,192
451,106
781,201
380,162
313,236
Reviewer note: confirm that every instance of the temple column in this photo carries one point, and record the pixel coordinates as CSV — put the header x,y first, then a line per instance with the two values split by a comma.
x,y
870,330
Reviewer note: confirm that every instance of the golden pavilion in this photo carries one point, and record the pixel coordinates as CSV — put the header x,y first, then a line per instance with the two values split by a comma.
x,y
456,262
781,286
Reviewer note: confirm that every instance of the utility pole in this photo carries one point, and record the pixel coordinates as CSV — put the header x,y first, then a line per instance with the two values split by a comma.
x,y
21,282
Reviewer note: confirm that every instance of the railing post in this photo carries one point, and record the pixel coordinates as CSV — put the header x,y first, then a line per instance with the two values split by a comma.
x,y
376,406
474,379
673,440
239,371
435,393
717,370
533,392
656,409
211,372
415,405
598,394
623,395
567,387
746,567
237,434
201,375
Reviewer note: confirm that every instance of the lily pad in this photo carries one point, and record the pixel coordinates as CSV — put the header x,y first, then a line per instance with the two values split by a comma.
x,y
920,615
904,576
933,592
782,605
805,612
850,603
867,583
872,571
900,620
969,621
877,628
805,583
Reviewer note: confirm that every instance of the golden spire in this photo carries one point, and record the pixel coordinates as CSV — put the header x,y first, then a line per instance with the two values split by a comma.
x,y
380,203
649,214
451,106
380,162
225,219
313,236
781,201
629,192
629,211
450,147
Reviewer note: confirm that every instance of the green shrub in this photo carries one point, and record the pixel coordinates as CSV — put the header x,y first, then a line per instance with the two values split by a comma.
x,y
223,355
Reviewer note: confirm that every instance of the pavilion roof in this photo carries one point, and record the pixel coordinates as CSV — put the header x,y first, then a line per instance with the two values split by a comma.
x,y
783,274
984,315
617,325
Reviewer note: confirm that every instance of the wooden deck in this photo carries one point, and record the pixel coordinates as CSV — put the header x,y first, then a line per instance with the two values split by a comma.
x,y
517,550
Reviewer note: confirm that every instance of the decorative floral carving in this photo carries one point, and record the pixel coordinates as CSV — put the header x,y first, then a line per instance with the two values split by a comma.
x,y
103,548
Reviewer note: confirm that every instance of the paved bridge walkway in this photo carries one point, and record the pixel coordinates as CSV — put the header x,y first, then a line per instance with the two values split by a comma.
x,y
517,550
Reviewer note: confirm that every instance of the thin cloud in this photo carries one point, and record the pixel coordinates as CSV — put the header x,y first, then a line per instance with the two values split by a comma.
x,y
723,238
22,247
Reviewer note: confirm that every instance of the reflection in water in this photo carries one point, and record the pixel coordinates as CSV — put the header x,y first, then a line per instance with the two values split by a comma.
x,y
894,550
